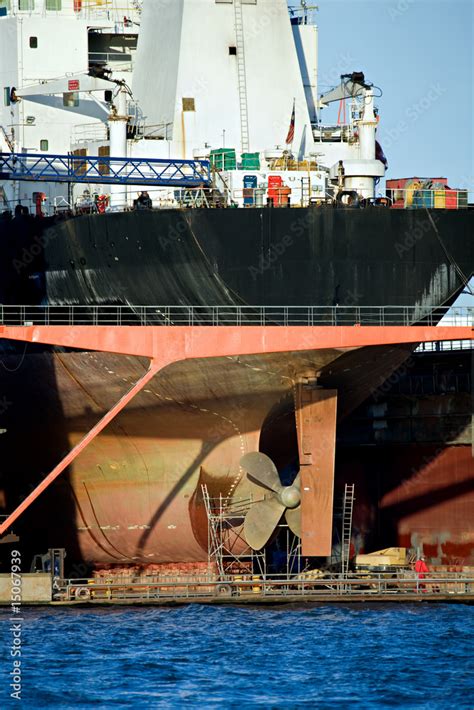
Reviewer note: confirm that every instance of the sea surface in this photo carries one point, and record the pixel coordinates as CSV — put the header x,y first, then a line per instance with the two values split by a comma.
x,y
416,656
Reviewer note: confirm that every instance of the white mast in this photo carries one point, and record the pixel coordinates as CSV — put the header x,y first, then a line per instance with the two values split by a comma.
x,y
117,123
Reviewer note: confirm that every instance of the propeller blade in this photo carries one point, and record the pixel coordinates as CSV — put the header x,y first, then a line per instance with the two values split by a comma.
x,y
261,469
293,518
261,521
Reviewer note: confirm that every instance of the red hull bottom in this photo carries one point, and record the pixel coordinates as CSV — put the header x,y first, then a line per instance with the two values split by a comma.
x,y
416,496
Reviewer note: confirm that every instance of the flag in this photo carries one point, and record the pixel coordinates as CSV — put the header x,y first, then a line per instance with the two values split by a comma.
x,y
291,133
380,155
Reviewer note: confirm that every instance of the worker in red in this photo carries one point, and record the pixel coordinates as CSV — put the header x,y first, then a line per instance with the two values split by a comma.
x,y
421,568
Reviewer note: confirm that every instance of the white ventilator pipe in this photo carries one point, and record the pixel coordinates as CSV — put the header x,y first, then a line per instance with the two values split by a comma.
x,y
367,128
117,123
365,185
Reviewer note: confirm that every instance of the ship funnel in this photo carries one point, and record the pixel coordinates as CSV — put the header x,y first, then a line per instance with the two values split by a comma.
x,y
263,517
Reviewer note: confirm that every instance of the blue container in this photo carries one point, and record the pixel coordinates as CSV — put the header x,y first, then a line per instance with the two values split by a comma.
x,y
423,198
428,198
250,185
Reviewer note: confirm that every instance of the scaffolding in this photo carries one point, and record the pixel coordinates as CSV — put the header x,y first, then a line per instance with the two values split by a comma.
x,y
228,552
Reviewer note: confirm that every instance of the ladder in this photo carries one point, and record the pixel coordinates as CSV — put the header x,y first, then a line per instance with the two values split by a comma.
x,y
347,508
241,75
305,191
8,140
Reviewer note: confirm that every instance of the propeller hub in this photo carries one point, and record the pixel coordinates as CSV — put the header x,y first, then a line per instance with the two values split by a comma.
x,y
290,497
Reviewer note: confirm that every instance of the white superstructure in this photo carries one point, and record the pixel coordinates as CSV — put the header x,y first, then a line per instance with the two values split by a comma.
x,y
206,76
42,40
204,68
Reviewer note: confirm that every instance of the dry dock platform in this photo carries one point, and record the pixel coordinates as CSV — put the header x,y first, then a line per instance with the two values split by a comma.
x,y
42,589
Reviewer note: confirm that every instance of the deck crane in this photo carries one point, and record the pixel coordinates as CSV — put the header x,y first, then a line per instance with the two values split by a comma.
x,y
113,110
359,175
120,170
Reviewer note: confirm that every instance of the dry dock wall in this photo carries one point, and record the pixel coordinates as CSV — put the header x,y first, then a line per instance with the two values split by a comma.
x,y
35,588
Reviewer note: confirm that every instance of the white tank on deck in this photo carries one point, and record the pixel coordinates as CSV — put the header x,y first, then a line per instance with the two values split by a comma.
x,y
275,154
202,153
360,175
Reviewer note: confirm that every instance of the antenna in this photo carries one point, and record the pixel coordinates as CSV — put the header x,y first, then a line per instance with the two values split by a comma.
x,y
307,9
304,10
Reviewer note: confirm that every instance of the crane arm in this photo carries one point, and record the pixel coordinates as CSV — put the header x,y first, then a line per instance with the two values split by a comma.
x,y
80,82
351,85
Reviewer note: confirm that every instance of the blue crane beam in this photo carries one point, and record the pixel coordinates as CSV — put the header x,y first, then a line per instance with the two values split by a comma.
x,y
104,170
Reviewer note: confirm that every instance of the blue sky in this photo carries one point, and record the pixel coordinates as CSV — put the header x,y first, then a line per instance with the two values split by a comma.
x,y
420,53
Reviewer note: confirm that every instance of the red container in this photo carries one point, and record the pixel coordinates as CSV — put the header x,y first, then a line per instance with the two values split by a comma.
x,y
274,183
282,196
451,199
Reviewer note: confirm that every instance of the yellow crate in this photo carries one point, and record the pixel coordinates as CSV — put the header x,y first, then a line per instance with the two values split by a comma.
x,y
440,199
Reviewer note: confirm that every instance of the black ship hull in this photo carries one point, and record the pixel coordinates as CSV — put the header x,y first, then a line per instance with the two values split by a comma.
x,y
267,256
121,499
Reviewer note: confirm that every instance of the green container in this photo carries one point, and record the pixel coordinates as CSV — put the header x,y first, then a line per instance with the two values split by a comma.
x,y
250,161
462,200
223,159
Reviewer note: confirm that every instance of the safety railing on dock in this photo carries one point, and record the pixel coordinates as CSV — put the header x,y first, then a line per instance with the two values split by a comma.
x,y
303,586
75,315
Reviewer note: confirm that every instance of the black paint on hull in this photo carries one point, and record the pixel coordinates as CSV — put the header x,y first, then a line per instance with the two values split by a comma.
x,y
255,256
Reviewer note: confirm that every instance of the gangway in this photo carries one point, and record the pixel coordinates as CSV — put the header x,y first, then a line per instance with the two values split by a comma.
x,y
152,172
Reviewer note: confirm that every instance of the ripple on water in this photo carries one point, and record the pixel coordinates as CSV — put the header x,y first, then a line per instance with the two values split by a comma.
x,y
211,657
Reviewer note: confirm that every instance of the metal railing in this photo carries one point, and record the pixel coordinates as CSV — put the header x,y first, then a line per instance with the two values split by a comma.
x,y
276,197
445,346
113,10
303,585
432,198
111,57
436,384
74,315
83,132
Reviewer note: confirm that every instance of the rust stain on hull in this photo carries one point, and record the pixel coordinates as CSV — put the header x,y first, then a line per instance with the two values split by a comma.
x,y
416,496
131,495
316,426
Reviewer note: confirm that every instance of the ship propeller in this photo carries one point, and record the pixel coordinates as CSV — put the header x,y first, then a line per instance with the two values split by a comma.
x,y
264,516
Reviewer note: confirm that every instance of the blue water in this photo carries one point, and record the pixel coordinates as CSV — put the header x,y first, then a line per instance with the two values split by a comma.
x,y
213,657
